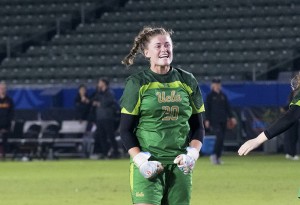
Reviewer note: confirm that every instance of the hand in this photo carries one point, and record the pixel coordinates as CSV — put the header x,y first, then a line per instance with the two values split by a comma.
x,y
206,123
149,169
233,121
252,144
96,104
186,162
84,99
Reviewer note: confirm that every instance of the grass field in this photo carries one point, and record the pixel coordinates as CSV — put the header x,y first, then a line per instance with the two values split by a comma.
x,y
251,180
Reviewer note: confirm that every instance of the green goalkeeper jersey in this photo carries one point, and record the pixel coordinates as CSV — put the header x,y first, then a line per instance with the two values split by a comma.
x,y
164,104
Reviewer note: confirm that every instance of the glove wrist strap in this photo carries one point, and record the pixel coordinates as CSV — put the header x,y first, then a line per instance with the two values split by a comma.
x,y
192,152
141,158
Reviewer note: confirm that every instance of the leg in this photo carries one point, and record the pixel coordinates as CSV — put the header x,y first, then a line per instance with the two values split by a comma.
x,y
219,130
97,139
145,191
286,142
178,187
110,131
290,138
4,137
294,138
102,136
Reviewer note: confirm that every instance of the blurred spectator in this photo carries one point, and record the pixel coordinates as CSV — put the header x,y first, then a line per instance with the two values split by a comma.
x,y
82,103
291,136
6,116
217,111
105,108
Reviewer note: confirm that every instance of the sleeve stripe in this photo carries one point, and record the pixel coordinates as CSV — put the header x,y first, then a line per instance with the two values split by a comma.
x,y
297,103
124,111
201,109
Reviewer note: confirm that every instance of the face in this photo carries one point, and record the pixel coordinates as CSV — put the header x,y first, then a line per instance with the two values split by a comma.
x,y
216,87
160,50
101,85
82,90
2,89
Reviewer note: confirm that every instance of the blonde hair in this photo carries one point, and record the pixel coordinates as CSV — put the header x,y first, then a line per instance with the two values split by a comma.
x,y
295,82
141,42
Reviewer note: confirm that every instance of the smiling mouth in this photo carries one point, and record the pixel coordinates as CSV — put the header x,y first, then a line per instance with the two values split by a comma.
x,y
164,56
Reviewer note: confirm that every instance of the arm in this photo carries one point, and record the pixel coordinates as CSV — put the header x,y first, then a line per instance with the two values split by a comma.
x,y
197,131
208,111
229,112
148,169
186,162
129,140
228,107
11,110
78,100
281,125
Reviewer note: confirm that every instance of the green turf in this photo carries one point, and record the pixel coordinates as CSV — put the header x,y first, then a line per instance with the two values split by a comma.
x,y
251,180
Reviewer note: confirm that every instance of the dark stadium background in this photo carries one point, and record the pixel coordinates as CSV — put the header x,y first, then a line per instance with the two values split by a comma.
x,y
48,48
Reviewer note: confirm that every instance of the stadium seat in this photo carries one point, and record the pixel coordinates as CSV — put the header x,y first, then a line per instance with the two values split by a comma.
x,y
211,36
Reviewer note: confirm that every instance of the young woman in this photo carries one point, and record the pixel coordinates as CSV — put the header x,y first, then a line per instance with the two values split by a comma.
x,y
282,124
161,123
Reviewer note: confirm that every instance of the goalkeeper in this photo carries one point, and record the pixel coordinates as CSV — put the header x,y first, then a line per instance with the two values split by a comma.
x,y
281,125
161,123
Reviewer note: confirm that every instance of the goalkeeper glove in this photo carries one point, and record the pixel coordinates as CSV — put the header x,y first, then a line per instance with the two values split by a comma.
x,y
149,169
186,162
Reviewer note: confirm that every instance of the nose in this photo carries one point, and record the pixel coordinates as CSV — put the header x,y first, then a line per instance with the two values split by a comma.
x,y
164,48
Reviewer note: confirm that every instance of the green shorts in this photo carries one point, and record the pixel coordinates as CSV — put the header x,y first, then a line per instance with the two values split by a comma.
x,y
171,187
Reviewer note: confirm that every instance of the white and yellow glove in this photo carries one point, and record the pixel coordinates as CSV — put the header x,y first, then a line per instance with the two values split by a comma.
x,y
186,162
149,169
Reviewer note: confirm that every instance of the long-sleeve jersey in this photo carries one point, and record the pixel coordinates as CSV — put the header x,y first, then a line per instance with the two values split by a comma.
x,y
163,105
287,120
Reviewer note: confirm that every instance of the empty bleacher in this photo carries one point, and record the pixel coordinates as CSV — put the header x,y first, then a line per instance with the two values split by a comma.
x,y
231,38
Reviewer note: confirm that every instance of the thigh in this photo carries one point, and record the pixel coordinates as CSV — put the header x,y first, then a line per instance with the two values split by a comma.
x,y
144,191
179,187
109,127
100,128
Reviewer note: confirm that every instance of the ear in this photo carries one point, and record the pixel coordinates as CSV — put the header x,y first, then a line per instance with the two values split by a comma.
x,y
146,53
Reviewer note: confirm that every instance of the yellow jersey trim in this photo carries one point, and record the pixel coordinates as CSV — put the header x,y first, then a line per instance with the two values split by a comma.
x,y
155,85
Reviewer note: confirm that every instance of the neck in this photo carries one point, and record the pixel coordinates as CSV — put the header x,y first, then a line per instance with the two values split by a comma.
x,y
160,69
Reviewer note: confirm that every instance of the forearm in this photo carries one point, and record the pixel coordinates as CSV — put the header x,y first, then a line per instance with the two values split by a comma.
x,y
134,151
229,110
196,144
196,127
127,126
261,138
